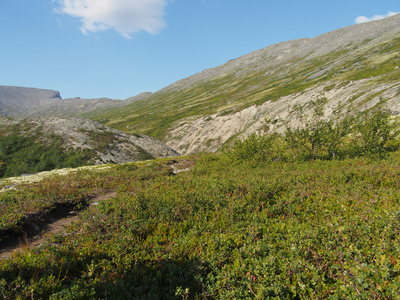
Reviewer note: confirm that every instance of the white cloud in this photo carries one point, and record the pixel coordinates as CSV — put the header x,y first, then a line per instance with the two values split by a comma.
x,y
363,19
125,16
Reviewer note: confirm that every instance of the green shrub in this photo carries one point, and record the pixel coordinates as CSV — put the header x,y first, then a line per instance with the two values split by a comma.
x,y
255,147
376,133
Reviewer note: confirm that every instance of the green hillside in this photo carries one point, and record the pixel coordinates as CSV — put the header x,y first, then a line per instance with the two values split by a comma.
x,y
32,145
259,77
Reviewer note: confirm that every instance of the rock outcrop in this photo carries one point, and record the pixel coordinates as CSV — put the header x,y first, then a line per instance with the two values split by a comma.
x,y
110,145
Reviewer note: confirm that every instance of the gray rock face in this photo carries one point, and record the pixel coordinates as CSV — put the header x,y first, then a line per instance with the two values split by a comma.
x,y
15,101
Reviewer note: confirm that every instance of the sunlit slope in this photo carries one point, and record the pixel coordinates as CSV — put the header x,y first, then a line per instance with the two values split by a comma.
x,y
341,65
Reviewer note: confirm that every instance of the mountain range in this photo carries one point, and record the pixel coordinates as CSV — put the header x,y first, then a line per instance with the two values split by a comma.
x,y
357,66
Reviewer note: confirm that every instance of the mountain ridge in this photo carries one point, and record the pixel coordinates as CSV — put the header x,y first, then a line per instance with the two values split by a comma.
x,y
16,101
77,106
291,48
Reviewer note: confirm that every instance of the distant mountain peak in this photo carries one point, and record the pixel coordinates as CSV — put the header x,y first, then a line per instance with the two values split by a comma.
x,y
15,100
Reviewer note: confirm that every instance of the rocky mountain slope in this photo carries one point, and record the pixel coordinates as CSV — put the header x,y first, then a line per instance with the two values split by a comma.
x,y
107,145
355,65
15,101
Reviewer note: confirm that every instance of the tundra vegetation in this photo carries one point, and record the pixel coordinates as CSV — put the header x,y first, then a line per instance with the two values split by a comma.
x,y
312,213
22,154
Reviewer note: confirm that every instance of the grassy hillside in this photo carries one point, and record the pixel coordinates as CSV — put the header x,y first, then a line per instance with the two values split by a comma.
x,y
258,78
288,227
356,65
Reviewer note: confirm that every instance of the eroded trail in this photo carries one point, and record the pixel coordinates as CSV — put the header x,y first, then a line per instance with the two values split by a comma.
x,y
37,231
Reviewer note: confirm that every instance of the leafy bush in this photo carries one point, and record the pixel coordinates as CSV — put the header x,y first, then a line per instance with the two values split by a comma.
x,y
255,147
376,133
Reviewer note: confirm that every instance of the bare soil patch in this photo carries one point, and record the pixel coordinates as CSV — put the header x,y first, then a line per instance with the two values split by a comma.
x,y
181,165
39,226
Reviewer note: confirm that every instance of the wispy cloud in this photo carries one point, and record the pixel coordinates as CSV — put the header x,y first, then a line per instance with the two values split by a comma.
x,y
363,19
125,16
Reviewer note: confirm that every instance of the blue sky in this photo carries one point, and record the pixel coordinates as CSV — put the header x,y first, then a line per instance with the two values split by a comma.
x,y
120,48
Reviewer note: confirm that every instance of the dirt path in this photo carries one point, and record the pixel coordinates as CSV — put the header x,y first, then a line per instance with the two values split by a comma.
x,y
35,233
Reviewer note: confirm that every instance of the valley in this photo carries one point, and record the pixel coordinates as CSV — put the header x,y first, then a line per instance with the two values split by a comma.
x,y
272,176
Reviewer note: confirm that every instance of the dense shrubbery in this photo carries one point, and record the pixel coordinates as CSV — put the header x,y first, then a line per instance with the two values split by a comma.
x,y
343,135
322,229
21,154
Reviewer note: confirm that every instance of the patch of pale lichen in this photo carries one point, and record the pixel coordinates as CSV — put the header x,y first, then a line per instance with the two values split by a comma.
x,y
11,182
